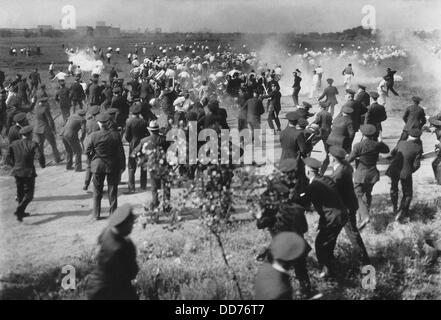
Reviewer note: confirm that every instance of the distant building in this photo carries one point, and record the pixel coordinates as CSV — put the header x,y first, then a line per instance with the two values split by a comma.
x,y
85,31
102,31
101,23
158,30
45,27
114,32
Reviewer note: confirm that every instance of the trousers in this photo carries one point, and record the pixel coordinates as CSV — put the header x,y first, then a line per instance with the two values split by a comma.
x,y
355,238
407,188
112,190
25,193
72,147
50,137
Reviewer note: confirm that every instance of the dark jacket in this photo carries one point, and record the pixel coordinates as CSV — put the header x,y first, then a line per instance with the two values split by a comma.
x,y
136,130
324,119
363,98
407,156
94,91
272,284
77,92
330,93
116,268
375,114
74,125
342,132
365,154
293,143
254,110
63,97
414,117
356,116
21,156
343,180
43,117
105,151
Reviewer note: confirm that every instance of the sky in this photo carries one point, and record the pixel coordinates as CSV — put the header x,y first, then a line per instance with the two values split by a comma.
x,y
226,15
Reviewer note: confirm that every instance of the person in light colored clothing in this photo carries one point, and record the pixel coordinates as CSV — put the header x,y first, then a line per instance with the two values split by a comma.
x,y
182,104
315,84
348,74
319,70
382,92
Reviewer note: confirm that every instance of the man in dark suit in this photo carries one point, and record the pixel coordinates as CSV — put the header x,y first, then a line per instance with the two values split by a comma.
x,y
146,92
296,87
255,109
136,130
35,79
72,143
77,94
342,132
406,161
45,127
330,92
375,114
363,97
303,110
120,103
359,110
274,106
272,280
414,118
91,126
106,153
322,192
389,77
94,92
116,260
323,119
62,96
342,175
365,153
21,155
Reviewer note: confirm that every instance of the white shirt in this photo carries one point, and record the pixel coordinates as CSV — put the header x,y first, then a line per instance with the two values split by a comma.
x,y
60,76
182,105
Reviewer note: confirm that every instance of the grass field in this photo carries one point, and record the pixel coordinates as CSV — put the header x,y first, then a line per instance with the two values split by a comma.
x,y
186,263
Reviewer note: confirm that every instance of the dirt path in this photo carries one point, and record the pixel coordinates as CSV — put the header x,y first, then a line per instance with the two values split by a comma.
x,y
61,228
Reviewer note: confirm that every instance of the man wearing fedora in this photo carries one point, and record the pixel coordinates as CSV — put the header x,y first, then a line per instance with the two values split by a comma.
x,y
296,87
107,161
365,153
62,96
136,130
76,124
21,155
116,260
406,160
330,92
375,115
414,117
20,121
94,92
342,175
44,127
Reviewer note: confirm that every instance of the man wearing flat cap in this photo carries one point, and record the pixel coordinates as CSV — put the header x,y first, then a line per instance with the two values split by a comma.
x,y
323,194
362,96
406,160
272,280
21,155
116,260
366,153
106,154
358,108
44,127
91,126
20,121
62,96
342,176
75,125
375,115
414,118
330,92
342,132
136,130
77,94
119,102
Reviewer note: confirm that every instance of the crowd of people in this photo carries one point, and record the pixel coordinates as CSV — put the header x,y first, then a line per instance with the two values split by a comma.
x,y
190,89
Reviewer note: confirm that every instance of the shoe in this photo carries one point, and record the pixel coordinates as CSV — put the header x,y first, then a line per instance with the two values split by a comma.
x,y
59,160
85,187
399,216
79,170
20,218
26,214
69,168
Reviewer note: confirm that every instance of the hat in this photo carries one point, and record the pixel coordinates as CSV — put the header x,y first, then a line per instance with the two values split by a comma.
x,y
153,125
116,90
121,215
337,152
312,163
416,99
94,110
95,76
135,108
81,112
293,116
347,109
415,132
434,121
350,91
103,117
306,104
287,165
362,86
374,94
302,122
19,117
287,246
112,111
298,71
26,130
368,129
329,80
